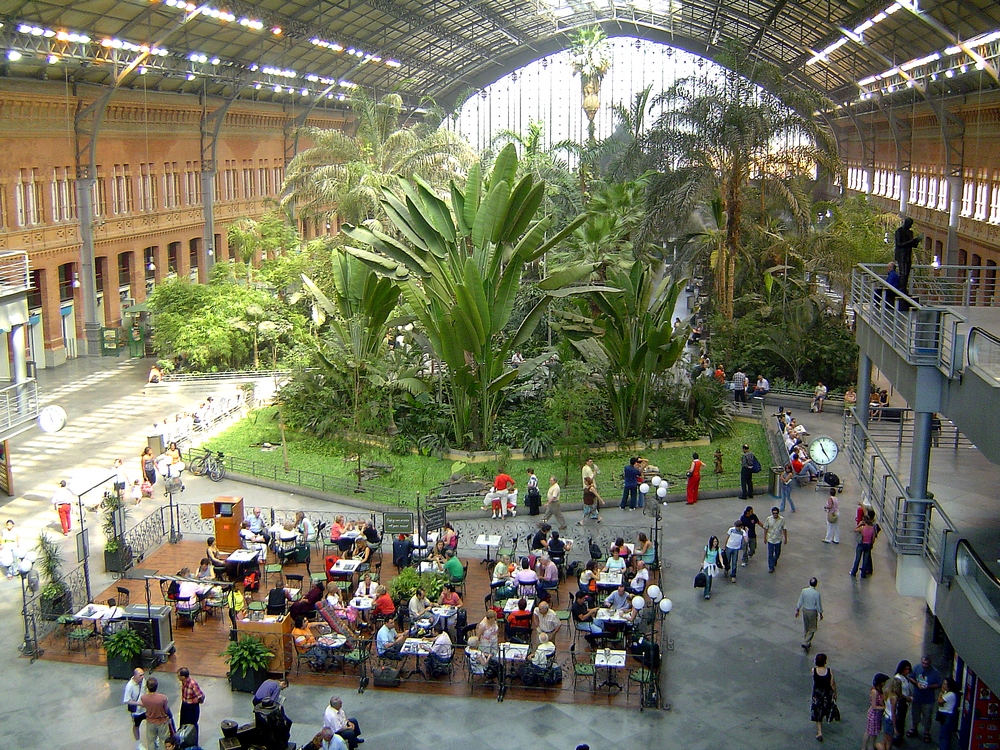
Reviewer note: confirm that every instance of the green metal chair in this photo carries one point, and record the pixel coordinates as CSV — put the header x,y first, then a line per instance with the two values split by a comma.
x,y
642,677
272,568
81,637
583,670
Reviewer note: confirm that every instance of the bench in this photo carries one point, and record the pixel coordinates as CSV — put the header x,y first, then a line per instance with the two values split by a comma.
x,y
781,396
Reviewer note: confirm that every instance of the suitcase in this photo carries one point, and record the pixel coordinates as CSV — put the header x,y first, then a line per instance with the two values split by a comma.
x,y
386,677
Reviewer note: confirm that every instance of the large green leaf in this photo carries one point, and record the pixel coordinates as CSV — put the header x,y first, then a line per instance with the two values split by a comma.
x,y
505,166
566,275
378,263
435,242
528,325
498,384
436,210
556,240
473,193
458,206
489,218
398,215
517,221
386,245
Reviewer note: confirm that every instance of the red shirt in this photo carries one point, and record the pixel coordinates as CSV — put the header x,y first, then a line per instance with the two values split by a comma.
x,y
503,482
191,692
156,707
519,618
384,606
797,465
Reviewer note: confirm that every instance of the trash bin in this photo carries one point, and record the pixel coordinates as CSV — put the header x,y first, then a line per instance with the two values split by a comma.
x,y
776,482
156,444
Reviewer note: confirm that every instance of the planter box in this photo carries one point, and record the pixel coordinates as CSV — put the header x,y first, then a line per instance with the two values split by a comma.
x,y
118,562
247,683
121,669
61,605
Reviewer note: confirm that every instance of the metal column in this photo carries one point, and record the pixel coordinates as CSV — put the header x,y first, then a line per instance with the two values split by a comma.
x,y
864,387
920,457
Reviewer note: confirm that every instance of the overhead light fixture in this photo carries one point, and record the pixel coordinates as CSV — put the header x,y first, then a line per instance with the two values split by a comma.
x,y
276,30
53,59
13,55
150,266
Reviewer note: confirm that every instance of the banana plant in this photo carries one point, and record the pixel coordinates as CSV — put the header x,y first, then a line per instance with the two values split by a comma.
x,y
629,340
458,265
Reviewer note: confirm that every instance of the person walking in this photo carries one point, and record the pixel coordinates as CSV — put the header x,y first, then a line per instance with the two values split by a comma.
x,y
926,681
532,497
785,482
863,552
552,507
775,534
824,695
750,523
810,605
62,501
748,463
630,486
832,509
711,563
192,697
134,689
947,708
735,542
694,479
158,715
591,502
876,709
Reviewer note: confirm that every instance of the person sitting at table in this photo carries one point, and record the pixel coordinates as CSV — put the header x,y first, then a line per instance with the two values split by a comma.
x,y
389,643
546,621
615,563
488,633
218,558
437,554
419,605
367,587
521,616
583,618
479,660
453,566
256,524
558,548
548,573
252,540
370,532
449,597
501,571
383,605
304,528
644,550
334,598
337,528
304,640
439,659
205,572
544,652
619,599
307,604
286,541
588,578
623,549
189,592
525,578
541,538
362,553
449,536
639,582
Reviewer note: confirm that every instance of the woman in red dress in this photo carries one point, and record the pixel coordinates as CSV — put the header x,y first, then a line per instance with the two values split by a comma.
x,y
694,479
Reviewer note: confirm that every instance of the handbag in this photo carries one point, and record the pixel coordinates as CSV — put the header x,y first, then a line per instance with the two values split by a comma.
x,y
832,516
835,713
700,580
386,677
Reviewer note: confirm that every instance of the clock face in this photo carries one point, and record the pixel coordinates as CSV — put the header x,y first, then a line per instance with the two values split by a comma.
x,y
823,450
52,419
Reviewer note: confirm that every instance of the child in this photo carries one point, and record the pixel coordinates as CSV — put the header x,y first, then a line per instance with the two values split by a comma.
x,y
147,489
136,492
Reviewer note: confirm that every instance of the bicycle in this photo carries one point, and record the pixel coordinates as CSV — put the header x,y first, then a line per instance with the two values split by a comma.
x,y
211,463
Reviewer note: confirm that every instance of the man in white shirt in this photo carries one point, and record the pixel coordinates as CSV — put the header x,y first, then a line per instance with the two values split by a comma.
x,y
62,501
336,720
134,689
331,741
641,579
736,541
439,659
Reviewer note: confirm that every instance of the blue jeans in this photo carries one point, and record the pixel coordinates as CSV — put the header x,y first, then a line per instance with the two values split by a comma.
x,y
786,496
862,557
642,500
733,557
590,627
629,493
946,731
773,553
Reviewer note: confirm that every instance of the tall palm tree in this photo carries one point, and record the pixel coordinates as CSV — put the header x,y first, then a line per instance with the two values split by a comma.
x,y
732,139
589,57
344,175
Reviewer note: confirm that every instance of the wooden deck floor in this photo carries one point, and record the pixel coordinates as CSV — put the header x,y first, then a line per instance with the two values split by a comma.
x,y
200,648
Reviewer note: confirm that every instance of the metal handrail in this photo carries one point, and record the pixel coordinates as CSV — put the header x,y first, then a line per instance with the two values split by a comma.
x,y
14,272
984,352
921,334
971,568
18,404
228,375
882,487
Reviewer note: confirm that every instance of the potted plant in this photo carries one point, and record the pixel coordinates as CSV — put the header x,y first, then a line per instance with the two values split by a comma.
x,y
123,647
117,554
248,660
56,598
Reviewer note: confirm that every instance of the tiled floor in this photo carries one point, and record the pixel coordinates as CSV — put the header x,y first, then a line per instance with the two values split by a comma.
x,y
736,676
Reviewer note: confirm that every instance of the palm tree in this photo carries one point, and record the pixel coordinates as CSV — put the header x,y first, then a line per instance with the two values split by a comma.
x,y
270,236
590,59
344,175
727,139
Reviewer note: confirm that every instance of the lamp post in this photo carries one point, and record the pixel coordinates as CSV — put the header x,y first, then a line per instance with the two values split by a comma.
x,y
29,647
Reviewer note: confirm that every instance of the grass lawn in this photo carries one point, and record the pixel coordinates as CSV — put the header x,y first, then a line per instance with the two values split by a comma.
x,y
423,474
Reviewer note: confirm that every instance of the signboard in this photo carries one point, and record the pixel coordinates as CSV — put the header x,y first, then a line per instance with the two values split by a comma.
x,y
435,518
397,523
109,341
82,545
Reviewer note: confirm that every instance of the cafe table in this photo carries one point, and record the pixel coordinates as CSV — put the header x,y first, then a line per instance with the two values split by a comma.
x,y
611,660
487,541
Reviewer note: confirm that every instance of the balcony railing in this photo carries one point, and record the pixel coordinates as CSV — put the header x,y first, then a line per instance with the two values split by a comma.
x,y
18,406
954,286
14,273
984,353
921,334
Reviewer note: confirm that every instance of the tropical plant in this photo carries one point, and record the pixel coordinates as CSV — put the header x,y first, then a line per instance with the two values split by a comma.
x,y
268,237
344,176
246,656
458,268
590,59
125,644
113,503
732,140
708,407
50,562
629,340
405,585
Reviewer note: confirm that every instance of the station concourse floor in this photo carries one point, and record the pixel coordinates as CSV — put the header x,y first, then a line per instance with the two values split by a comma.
x,y
737,674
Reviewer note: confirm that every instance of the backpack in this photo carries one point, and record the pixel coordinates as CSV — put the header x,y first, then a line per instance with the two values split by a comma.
x,y
755,468
595,551
251,582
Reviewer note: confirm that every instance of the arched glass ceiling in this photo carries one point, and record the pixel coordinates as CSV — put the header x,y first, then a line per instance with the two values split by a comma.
x,y
548,91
